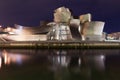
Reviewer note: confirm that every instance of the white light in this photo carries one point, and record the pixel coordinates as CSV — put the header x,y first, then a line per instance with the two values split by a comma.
x,y
19,30
102,56
9,29
79,61
11,33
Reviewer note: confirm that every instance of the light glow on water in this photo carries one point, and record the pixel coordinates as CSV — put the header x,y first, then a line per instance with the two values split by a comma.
x,y
9,58
0,62
59,64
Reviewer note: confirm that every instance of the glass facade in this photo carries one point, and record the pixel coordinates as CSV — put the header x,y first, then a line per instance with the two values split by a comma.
x,y
60,31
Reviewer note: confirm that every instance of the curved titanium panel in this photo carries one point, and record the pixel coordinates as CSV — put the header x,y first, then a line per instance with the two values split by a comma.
x,y
33,30
92,30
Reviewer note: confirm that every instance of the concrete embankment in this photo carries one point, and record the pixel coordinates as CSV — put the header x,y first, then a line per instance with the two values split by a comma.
x,y
60,45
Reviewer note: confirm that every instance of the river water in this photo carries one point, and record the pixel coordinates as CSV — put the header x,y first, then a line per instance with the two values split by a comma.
x,y
61,64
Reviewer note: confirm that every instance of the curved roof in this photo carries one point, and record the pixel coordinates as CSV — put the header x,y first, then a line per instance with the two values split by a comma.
x,y
33,30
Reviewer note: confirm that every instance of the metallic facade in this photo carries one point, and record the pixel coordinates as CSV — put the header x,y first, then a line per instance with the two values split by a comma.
x,y
92,30
64,27
60,31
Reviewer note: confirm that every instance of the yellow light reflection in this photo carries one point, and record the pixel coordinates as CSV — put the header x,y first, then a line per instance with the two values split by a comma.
x,y
0,61
6,58
9,58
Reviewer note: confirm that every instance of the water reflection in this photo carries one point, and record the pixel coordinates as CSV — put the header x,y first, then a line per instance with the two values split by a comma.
x,y
92,61
60,63
7,58
59,58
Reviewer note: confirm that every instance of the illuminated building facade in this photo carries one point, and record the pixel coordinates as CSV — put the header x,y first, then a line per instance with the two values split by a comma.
x,y
60,32
75,29
64,27
93,30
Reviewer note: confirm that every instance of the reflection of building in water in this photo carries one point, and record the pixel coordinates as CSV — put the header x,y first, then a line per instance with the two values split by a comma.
x,y
0,59
97,62
60,59
64,65
8,58
92,62
100,62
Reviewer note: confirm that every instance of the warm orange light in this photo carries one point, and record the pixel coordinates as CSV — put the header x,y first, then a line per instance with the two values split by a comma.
x,y
9,29
0,62
6,58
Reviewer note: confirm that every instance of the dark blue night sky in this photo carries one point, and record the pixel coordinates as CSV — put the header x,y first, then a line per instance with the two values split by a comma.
x,y
31,12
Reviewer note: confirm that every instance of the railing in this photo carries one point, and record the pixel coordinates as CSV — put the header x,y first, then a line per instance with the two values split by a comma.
x,y
61,44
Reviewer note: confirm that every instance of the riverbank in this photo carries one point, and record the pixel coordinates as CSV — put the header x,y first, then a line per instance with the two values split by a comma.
x,y
60,45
